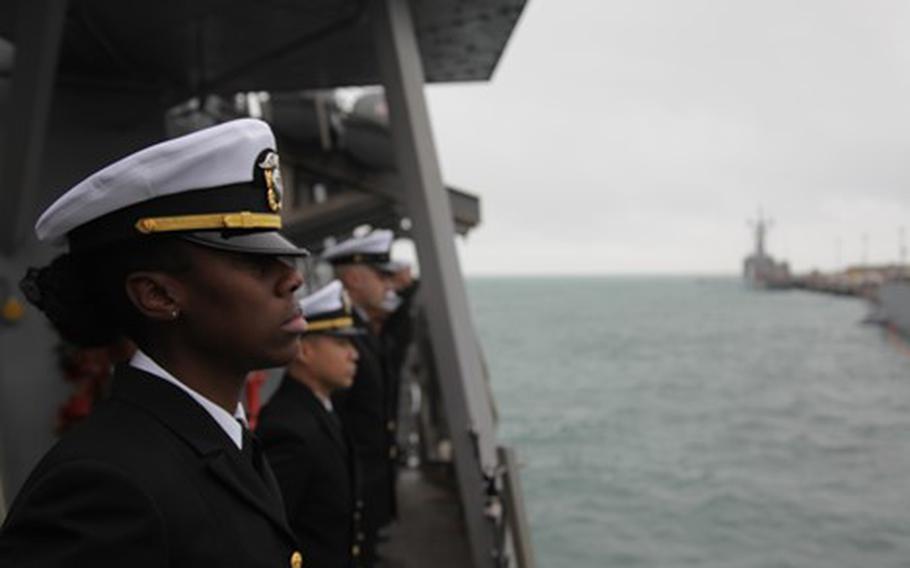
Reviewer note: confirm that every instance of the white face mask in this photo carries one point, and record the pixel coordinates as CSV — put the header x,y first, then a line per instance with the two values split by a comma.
x,y
391,301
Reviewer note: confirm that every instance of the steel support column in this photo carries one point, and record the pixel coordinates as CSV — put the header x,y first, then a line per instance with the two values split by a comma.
x,y
465,397
39,25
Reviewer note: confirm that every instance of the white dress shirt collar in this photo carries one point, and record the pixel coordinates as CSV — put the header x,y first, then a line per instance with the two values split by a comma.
x,y
223,418
362,313
326,401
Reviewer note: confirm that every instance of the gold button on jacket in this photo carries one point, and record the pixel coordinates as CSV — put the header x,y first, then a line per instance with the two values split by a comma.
x,y
296,559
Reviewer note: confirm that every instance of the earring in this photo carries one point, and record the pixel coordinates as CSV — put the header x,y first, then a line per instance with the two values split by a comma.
x,y
174,314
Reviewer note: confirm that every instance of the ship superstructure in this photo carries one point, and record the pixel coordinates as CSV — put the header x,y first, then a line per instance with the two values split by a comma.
x,y
760,269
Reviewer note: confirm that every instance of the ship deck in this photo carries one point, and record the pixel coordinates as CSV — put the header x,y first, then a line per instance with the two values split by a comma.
x,y
430,530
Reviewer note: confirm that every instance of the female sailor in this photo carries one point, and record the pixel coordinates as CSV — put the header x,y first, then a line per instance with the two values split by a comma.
x,y
175,247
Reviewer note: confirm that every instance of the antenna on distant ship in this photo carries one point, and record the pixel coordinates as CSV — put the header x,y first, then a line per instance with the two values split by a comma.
x,y
760,270
761,226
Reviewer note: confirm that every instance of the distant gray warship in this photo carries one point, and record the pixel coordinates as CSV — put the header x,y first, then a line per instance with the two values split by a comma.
x,y
760,270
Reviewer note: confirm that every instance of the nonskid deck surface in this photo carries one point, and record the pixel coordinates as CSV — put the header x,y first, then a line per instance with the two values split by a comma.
x,y
430,529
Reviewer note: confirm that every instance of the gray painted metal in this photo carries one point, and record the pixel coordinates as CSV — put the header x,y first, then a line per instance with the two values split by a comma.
x,y
341,214
26,418
429,532
198,47
86,129
39,26
455,346
30,383
516,515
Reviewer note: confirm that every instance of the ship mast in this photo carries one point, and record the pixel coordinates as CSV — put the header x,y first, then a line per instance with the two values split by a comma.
x,y
761,226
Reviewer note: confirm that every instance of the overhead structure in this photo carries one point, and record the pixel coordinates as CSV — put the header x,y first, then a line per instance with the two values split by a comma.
x,y
181,49
341,170
84,82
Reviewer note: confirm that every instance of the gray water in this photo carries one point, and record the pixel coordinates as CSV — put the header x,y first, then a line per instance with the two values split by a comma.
x,y
692,422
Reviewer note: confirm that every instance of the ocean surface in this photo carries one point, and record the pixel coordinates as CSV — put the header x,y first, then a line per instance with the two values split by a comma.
x,y
693,422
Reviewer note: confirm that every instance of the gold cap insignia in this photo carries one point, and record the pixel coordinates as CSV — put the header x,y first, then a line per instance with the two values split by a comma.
x,y
272,172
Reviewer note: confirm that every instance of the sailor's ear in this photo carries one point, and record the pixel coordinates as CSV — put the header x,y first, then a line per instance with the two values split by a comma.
x,y
306,351
156,295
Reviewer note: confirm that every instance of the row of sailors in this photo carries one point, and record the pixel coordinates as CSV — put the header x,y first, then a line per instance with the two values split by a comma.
x,y
178,248
329,430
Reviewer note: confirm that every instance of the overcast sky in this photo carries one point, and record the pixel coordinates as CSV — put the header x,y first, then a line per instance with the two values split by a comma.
x,y
641,136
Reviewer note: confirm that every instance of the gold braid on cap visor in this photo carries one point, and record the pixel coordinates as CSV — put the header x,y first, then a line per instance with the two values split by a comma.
x,y
239,220
337,323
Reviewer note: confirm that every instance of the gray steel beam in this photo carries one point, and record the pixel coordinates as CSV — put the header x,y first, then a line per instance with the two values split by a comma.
x,y
465,206
515,510
456,351
38,29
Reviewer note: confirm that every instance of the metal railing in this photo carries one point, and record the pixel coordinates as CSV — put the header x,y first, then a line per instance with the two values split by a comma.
x,y
424,437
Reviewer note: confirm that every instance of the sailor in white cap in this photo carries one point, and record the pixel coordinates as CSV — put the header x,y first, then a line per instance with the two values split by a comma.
x,y
360,263
369,409
373,248
175,247
306,442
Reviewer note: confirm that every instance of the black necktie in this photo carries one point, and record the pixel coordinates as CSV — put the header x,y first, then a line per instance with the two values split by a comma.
x,y
338,427
251,455
336,422
249,451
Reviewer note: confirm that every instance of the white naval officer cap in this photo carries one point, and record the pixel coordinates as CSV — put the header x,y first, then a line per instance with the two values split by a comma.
x,y
393,266
373,248
218,187
328,310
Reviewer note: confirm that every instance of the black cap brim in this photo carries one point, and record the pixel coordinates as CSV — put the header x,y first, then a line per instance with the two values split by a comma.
x,y
349,332
340,332
258,242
